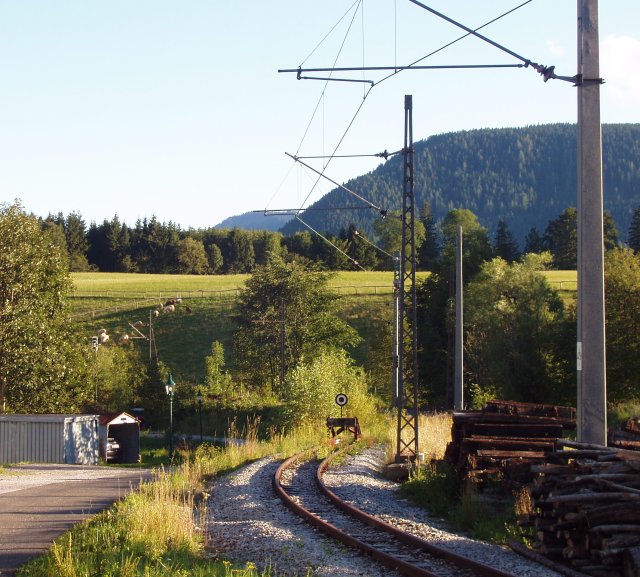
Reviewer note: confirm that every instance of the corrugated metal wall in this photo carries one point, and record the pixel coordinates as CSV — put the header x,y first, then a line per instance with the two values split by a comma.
x,y
49,439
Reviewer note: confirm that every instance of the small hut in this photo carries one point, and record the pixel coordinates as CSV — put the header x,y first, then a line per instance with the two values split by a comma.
x,y
120,438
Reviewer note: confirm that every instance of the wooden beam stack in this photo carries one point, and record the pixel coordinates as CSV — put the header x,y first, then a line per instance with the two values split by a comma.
x,y
587,509
504,439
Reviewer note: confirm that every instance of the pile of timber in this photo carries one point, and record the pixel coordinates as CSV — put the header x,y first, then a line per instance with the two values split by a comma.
x,y
627,437
504,439
587,509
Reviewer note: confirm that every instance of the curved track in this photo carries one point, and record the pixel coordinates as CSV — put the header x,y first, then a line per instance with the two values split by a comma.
x,y
298,482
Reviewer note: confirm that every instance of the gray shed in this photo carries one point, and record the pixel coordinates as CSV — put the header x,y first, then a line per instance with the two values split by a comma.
x,y
70,439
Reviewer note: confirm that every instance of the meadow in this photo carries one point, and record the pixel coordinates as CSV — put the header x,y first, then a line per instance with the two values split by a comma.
x,y
115,301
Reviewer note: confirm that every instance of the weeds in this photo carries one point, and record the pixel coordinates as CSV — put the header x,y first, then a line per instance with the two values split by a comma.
x,y
158,531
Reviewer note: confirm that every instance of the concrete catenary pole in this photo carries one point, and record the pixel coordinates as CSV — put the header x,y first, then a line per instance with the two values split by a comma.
x,y
458,391
591,359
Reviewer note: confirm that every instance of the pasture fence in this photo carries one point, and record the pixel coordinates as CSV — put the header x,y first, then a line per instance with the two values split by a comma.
x,y
135,300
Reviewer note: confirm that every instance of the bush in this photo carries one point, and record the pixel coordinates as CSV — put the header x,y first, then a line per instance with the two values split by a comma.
x,y
310,390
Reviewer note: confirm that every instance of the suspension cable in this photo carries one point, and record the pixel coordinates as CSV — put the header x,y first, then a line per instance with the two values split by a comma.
x,y
546,71
322,175
354,261
357,233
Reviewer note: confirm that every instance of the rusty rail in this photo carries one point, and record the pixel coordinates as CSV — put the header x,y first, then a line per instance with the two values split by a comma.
x,y
400,535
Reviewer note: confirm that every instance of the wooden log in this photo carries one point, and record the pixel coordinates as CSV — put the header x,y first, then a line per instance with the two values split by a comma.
x,y
595,454
529,554
625,444
626,455
578,445
599,571
498,454
615,477
631,562
616,486
614,529
547,469
620,512
620,541
548,431
520,408
632,425
505,442
590,497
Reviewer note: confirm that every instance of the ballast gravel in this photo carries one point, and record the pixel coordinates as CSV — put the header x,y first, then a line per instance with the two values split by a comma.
x,y
247,523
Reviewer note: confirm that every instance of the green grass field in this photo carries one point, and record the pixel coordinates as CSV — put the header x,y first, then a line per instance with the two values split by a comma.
x,y
115,301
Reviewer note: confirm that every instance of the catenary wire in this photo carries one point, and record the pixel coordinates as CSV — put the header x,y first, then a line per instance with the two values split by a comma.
x,y
546,71
320,99
354,261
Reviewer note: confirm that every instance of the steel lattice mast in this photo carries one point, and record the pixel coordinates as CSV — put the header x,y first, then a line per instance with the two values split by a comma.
x,y
407,448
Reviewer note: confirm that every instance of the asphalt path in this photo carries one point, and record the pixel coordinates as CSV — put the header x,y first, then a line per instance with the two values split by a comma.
x,y
31,518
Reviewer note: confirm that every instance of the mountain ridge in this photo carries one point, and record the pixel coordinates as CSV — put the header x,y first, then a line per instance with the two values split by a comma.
x,y
526,176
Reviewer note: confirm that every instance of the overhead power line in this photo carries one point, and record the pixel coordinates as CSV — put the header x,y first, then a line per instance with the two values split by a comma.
x,y
381,211
354,261
300,71
547,72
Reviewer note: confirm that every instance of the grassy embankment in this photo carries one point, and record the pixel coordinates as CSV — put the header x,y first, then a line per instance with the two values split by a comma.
x,y
161,531
113,300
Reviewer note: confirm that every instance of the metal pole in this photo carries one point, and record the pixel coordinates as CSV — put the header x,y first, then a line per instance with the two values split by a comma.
x,y
170,425
282,338
200,415
591,358
458,393
396,309
407,448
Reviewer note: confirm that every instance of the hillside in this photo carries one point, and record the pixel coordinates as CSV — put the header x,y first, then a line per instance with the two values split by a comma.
x,y
526,176
253,221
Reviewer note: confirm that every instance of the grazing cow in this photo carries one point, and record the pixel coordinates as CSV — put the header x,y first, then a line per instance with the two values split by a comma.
x,y
188,309
103,337
170,308
124,339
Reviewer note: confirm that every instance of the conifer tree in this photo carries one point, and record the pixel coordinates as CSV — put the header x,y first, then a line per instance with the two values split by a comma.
x,y
505,245
634,231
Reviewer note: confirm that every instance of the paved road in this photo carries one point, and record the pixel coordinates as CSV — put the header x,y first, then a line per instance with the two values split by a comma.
x,y
31,518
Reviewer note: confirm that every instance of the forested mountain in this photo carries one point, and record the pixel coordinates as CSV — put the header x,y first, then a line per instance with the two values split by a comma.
x,y
253,221
524,176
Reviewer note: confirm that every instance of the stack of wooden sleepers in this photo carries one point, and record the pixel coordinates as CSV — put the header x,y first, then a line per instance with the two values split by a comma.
x,y
627,436
504,439
587,503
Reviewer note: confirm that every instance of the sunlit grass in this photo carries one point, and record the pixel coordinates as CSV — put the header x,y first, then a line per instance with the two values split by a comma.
x,y
160,531
434,434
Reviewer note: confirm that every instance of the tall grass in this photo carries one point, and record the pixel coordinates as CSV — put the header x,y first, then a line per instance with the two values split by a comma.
x,y
160,531
434,434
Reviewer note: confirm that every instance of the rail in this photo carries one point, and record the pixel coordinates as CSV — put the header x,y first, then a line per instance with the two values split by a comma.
x,y
390,560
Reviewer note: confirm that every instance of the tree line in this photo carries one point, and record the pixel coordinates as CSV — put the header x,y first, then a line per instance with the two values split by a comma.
x,y
520,333
154,247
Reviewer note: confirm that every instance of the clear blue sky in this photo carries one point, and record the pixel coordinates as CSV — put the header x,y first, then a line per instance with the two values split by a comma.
x,y
143,107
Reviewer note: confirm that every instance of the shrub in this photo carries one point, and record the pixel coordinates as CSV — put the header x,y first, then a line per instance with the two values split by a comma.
x,y
310,389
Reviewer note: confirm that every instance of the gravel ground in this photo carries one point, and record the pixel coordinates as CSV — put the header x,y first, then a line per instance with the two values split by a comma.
x,y
18,477
248,523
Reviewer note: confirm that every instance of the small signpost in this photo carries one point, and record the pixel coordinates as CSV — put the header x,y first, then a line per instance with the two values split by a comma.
x,y
337,426
341,401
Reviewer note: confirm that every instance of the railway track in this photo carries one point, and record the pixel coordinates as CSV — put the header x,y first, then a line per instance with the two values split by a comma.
x,y
298,482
